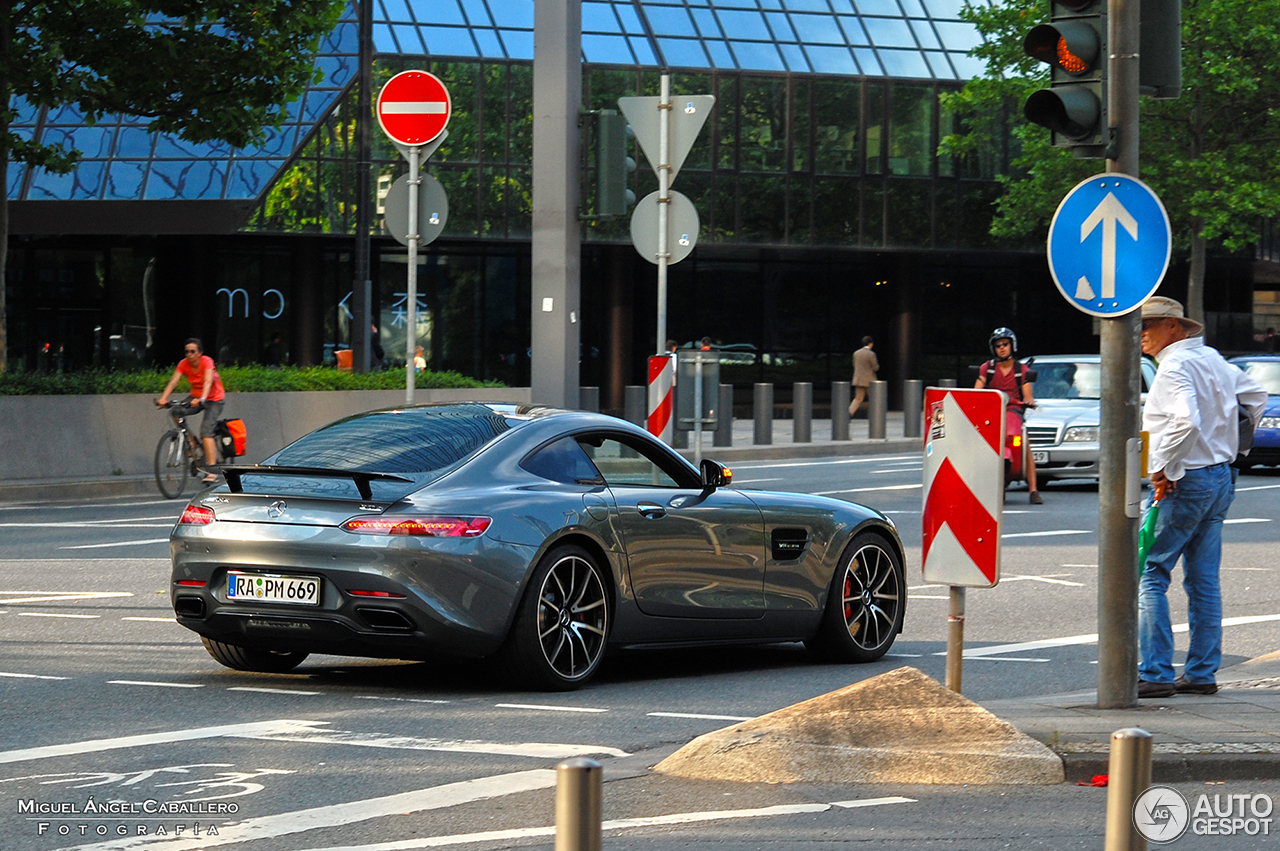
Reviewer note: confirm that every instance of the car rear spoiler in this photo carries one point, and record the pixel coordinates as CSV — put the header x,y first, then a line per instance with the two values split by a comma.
x,y
361,479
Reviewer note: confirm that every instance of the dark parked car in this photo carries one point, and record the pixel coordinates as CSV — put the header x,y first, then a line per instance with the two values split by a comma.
x,y
537,536
1264,369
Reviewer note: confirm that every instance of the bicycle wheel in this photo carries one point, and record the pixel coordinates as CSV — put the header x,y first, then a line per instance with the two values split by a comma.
x,y
173,466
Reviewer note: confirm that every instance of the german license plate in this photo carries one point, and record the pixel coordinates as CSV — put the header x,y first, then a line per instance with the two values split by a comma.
x,y
1040,457
273,588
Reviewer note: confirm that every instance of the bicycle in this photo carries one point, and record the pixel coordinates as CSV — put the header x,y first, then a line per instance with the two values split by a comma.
x,y
179,457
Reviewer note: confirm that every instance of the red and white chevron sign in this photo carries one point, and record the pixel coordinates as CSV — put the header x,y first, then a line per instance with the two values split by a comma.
x,y
963,486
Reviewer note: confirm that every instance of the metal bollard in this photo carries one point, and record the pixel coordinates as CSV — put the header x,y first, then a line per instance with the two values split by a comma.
x,y
946,382
841,394
636,403
589,399
877,409
802,412
763,406
912,408
579,792
724,418
1128,776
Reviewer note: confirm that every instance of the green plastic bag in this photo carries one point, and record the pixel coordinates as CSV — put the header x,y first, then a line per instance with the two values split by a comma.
x,y
1147,535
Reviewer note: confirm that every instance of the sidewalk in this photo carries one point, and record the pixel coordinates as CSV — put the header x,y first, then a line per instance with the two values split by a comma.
x,y
1232,735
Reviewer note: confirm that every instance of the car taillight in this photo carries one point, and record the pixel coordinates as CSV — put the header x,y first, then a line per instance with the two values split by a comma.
x,y
429,527
194,583
196,516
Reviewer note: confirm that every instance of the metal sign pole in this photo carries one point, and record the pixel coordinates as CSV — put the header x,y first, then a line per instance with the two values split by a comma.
x,y
1121,355
664,199
697,409
411,315
955,638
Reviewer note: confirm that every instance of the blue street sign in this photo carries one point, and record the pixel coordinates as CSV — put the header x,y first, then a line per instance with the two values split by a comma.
x,y
1109,244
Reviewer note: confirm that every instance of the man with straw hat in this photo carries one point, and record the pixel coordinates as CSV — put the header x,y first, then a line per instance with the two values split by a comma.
x,y
1191,416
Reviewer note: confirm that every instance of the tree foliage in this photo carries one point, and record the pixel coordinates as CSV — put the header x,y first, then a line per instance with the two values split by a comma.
x,y
201,69
1209,154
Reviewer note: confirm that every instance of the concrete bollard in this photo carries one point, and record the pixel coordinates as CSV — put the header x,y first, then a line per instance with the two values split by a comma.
x,y
877,409
946,382
912,408
841,396
579,793
802,412
1128,776
636,403
724,418
589,399
762,403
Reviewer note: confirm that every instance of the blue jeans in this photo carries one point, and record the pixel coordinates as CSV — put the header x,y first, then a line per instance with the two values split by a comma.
x,y
1190,527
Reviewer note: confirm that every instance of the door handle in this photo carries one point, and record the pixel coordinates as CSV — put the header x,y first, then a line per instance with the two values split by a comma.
x,y
651,510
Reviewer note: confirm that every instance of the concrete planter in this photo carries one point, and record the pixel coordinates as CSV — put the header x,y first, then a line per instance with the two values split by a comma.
x,y
96,437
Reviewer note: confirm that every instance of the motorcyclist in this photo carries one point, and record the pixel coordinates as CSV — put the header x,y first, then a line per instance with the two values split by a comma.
x,y
1004,372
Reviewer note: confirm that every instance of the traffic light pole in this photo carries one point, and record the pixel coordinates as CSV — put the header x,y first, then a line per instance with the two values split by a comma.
x,y
1121,358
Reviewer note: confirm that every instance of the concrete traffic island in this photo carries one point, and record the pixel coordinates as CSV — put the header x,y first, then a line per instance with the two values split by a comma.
x,y
899,727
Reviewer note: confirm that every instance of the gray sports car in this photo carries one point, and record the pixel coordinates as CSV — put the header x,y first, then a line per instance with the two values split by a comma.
x,y
540,537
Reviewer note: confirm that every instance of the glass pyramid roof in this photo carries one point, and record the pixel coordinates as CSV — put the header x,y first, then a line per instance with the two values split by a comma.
x,y
901,39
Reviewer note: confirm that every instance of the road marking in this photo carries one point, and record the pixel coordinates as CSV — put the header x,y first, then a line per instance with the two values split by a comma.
x,y
927,597
29,676
869,490
404,699
1257,488
147,683
612,824
1048,534
272,690
60,596
755,481
122,742
116,544
1006,659
352,812
1046,579
700,717
540,750
100,524
152,620
55,615
544,708
1246,520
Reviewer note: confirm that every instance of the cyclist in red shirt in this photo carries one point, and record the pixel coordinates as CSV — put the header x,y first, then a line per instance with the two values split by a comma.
x,y
206,395
1004,372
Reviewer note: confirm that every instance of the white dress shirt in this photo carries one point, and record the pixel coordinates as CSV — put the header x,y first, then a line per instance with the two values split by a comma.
x,y
1190,413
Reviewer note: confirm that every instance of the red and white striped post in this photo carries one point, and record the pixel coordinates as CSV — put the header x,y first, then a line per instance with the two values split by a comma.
x,y
661,402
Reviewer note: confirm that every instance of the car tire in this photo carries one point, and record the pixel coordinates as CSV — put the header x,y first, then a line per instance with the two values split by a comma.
x,y
865,604
562,626
252,658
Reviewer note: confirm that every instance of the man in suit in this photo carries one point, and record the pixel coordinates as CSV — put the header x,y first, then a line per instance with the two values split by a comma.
x,y
865,367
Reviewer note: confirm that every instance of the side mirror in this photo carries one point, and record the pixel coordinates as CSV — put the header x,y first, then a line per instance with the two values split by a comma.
x,y
715,474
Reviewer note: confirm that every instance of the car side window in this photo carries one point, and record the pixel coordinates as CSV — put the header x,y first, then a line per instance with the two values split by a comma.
x,y
623,463
563,461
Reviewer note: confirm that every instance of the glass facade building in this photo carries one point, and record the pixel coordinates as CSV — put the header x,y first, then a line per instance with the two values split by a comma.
x,y
826,212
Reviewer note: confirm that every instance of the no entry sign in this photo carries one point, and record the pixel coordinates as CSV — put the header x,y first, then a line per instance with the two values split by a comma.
x,y
413,107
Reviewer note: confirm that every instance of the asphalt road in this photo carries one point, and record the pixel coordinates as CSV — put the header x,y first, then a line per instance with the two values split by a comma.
x,y
105,698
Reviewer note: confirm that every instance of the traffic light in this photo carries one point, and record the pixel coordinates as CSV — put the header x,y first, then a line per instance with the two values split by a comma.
x,y
1074,45
613,165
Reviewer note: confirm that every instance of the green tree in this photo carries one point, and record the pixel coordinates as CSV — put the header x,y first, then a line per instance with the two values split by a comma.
x,y
201,69
1209,154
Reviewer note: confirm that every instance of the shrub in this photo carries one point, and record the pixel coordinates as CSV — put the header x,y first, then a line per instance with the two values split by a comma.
x,y
236,379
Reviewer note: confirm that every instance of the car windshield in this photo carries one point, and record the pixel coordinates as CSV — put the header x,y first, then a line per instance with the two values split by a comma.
x,y
1265,372
1067,380
410,440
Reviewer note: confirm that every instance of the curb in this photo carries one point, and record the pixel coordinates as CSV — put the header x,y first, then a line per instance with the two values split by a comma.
x,y
56,490
1181,768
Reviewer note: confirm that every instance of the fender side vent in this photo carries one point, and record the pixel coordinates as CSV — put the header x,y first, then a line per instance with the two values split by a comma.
x,y
788,544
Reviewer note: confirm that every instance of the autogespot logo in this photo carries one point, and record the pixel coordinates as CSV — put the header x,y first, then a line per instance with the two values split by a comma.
x,y
1161,814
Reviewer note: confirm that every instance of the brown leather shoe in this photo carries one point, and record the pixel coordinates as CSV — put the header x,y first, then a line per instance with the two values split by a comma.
x,y
1146,689
1181,686
1036,499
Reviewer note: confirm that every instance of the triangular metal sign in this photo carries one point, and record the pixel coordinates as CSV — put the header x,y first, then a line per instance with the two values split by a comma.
x,y
688,114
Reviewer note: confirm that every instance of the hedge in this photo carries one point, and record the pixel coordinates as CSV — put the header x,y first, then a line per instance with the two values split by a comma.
x,y
236,379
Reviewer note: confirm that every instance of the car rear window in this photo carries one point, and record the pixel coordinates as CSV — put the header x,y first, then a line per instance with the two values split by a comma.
x,y
410,440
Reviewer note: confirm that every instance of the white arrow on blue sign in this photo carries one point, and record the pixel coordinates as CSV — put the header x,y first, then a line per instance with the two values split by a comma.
x,y
1109,244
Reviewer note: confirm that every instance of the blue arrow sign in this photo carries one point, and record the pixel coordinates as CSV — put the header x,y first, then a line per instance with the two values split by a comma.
x,y
1109,244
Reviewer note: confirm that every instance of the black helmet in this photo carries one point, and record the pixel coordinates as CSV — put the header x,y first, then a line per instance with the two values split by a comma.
x,y
1003,333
